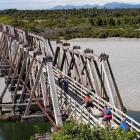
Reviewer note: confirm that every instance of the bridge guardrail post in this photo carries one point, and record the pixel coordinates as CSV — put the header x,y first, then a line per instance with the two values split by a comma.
x,y
88,118
70,106
81,115
131,125
75,110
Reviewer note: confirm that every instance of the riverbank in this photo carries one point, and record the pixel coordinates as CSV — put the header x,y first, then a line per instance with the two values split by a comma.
x,y
46,136
103,39
73,23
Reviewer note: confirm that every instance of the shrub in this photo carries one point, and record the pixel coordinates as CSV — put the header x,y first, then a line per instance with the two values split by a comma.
x,y
72,131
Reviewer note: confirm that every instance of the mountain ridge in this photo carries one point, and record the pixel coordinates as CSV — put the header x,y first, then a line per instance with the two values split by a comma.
x,y
113,5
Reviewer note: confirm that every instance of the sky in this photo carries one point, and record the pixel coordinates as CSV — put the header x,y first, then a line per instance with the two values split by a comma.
x,y
46,4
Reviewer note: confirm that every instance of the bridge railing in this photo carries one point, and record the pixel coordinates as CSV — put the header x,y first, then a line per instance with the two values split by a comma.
x,y
99,102
80,114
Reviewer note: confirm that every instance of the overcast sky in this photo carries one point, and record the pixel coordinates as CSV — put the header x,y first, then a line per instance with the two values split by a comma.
x,y
45,4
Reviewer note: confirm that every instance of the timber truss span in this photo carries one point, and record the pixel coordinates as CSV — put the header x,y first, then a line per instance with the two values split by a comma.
x,y
31,69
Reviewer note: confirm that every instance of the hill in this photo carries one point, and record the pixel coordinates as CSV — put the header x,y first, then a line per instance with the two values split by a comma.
x,y
113,5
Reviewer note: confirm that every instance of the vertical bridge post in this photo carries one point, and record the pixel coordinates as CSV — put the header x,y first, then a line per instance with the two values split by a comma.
x,y
111,83
53,92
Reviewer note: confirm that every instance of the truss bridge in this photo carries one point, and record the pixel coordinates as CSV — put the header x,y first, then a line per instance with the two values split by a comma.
x,y
30,71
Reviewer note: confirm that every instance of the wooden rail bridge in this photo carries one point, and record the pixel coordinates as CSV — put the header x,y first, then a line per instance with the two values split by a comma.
x,y
30,68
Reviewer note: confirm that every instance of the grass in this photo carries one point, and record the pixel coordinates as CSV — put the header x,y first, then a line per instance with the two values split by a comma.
x,y
6,19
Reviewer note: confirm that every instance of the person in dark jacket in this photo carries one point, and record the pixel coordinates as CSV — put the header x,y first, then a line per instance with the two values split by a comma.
x,y
60,80
65,83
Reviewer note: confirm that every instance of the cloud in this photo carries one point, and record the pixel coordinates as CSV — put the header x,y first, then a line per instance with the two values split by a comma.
x,y
45,4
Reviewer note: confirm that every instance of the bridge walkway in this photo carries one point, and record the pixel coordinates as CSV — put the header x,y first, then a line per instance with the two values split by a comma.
x,y
75,95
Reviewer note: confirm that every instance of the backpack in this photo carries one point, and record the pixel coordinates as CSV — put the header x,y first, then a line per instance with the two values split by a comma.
x,y
108,111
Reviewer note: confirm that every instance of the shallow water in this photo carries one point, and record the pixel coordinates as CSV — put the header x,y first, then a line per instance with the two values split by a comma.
x,y
135,115
22,131
125,61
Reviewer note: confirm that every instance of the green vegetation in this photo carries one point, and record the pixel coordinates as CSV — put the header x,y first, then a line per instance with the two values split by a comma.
x,y
96,23
71,131
6,19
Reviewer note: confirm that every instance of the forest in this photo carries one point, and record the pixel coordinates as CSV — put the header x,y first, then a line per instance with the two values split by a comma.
x,y
76,23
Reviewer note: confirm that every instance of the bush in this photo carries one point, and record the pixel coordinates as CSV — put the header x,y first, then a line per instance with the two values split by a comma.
x,y
72,131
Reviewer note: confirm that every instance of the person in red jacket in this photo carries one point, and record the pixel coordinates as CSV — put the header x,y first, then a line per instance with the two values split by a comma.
x,y
88,102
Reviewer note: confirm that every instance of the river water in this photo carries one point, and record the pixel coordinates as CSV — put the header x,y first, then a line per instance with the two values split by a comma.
x,y
22,131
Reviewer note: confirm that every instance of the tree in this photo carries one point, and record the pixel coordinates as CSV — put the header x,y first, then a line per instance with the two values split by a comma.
x,y
98,21
111,22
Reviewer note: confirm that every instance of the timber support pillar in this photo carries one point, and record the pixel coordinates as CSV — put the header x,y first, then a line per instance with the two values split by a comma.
x,y
113,91
53,92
